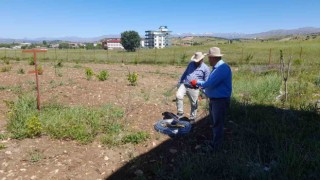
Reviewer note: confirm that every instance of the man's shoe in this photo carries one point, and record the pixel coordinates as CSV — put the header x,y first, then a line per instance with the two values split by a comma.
x,y
180,115
192,121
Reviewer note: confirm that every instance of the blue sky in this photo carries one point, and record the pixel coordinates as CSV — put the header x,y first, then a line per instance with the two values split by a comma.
x,y
91,18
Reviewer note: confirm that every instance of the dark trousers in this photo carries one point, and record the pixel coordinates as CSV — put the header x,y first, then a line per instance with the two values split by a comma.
x,y
218,108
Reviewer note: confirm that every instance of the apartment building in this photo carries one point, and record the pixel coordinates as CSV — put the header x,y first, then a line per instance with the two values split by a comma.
x,y
158,39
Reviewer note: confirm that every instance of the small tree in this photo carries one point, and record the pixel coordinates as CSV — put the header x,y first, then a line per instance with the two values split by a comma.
x,y
130,40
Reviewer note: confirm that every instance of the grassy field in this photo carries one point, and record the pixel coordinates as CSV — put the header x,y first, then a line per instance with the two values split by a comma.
x,y
238,52
273,137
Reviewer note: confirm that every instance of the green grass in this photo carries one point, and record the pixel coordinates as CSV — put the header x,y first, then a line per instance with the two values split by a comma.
x,y
75,123
82,124
35,156
136,138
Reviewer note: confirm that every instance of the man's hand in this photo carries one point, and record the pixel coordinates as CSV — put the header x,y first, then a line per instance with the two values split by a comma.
x,y
193,83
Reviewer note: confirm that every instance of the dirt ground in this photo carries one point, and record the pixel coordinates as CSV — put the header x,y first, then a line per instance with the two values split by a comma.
x,y
47,158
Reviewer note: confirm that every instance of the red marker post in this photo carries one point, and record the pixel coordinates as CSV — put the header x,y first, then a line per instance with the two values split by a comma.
x,y
35,51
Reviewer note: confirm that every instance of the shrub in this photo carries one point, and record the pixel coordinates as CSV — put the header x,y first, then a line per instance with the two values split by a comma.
x,y
89,73
40,70
133,78
297,62
31,62
103,75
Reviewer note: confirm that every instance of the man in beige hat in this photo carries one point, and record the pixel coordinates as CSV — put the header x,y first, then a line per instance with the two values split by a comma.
x,y
218,88
198,70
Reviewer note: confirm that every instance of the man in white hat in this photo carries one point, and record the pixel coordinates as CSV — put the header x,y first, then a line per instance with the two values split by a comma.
x,y
218,88
198,70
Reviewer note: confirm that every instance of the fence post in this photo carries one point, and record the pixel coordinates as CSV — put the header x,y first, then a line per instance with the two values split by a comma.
x,y
300,53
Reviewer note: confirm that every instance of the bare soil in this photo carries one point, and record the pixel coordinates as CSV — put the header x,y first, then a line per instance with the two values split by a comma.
x,y
47,158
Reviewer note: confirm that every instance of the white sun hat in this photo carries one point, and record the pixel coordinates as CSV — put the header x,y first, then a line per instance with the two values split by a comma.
x,y
198,56
214,52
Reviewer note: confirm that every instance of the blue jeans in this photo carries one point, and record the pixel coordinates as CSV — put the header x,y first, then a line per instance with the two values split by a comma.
x,y
218,108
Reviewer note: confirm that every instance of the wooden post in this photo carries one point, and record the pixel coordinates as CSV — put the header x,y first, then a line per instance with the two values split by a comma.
x,y
35,51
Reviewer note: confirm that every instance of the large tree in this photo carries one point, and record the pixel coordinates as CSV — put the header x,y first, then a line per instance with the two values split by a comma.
x,y
130,40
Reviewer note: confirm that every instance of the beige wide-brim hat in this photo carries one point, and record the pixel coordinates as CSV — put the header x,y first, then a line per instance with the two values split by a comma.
x,y
215,52
198,56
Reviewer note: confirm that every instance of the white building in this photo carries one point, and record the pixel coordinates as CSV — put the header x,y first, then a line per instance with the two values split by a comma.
x,y
25,44
142,43
112,44
158,39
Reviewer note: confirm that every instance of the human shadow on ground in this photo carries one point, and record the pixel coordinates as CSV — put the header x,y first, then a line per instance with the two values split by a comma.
x,y
260,142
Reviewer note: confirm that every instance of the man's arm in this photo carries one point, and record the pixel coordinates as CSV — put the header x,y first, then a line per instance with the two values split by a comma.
x,y
184,74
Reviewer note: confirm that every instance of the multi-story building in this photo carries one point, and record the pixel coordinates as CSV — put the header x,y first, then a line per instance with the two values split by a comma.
x,y
158,39
112,44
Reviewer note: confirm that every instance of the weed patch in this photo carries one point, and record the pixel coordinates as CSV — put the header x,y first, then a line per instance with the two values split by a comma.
x,y
133,78
136,138
21,71
75,123
6,69
103,75
2,146
89,73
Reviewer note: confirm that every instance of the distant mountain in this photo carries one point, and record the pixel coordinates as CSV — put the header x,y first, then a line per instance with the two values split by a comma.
x,y
267,34
66,39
